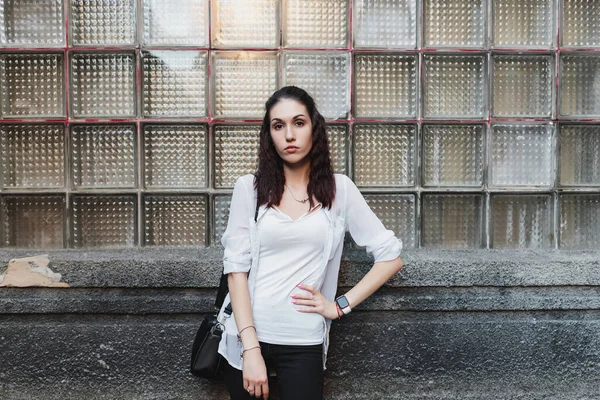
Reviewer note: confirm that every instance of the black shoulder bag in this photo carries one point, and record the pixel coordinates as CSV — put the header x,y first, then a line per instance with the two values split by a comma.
x,y
206,360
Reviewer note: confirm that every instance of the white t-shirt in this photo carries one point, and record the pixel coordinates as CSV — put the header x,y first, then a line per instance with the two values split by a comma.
x,y
291,252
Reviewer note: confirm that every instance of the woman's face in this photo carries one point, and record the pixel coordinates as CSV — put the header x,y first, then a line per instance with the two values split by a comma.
x,y
291,130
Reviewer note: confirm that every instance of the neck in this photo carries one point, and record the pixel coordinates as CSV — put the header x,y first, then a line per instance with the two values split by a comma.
x,y
296,175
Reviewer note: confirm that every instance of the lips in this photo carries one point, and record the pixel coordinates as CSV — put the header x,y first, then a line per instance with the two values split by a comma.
x,y
291,149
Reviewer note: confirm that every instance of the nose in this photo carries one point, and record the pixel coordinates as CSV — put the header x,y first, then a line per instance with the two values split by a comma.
x,y
289,133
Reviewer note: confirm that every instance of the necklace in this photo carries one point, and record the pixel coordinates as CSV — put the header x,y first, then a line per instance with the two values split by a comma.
x,y
294,197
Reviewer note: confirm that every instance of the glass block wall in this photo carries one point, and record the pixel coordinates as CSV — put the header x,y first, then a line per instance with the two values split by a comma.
x,y
466,123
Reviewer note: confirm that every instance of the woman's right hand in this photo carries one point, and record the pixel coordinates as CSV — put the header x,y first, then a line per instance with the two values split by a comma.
x,y
254,372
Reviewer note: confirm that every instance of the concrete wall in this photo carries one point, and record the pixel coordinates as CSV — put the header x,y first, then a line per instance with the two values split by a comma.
x,y
452,325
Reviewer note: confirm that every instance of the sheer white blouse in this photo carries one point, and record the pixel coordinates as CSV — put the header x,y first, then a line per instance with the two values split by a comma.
x,y
349,213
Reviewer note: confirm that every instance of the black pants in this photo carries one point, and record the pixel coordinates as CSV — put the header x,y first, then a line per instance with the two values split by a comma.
x,y
299,372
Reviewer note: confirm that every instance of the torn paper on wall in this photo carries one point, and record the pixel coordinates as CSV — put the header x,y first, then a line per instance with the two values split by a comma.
x,y
30,271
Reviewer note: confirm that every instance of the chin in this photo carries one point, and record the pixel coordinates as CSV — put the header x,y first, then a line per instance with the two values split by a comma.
x,y
294,159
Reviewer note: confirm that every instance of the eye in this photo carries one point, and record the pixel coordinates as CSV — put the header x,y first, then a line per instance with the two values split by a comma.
x,y
299,123
277,126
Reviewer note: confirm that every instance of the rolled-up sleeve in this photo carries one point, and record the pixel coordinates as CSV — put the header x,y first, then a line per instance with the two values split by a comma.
x,y
236,239
367,230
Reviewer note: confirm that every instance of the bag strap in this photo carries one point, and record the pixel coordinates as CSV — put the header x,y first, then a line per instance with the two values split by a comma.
x,y
223,287
222,292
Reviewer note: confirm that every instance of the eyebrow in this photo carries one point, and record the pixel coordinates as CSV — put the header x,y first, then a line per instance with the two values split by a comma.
x,y
296,116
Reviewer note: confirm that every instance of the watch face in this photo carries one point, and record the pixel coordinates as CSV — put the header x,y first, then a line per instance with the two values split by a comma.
x,y
342,302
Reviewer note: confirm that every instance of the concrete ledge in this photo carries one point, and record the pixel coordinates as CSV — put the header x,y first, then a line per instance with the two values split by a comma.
x,y
193,301
452,325
201,268
133,268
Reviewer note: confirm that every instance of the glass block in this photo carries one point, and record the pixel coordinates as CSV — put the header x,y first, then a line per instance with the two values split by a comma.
x,y
103,156
579,88
175,220
337,138
518,23
579,221
102,22
221,216
384,154
31,23
523,86
456,23
522,155
580,23
243,81
104,221
32,85
452,221
175,155
103,84
385,23
315,23
454,86
325,76
236,152
251,23
184,25
385,85
453,155
522,221
580,155
175,83
397,213
33,155
34,221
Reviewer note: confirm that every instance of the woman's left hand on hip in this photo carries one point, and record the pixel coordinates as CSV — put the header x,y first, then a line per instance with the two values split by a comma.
x,y
314,302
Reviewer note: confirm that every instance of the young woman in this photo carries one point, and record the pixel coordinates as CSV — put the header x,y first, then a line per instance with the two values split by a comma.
x,y
283,246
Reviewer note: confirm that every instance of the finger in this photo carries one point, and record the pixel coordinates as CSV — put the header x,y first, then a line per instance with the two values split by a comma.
x,y
302,302
265,390
257,391
307,310
308,288
246,384
308,296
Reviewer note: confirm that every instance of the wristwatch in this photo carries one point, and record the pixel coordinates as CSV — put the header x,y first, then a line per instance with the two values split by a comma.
x,y
343,304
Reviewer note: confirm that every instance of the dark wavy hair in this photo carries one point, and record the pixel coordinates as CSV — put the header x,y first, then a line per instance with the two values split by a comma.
x,y
269,179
